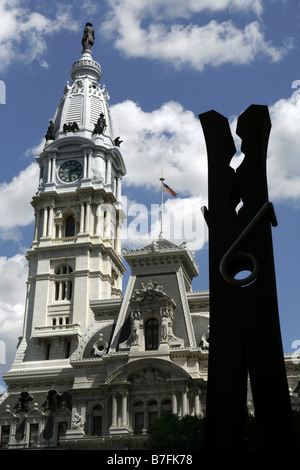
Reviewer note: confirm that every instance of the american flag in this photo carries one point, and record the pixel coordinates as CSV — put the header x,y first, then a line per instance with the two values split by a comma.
x,y
169,190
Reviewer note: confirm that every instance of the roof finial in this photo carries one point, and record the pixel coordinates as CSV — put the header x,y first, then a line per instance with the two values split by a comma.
x,y
88,37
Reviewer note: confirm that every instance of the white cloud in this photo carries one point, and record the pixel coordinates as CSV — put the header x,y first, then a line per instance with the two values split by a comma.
x,y
170,138
284,144
23,32
182,222
17,194
143,29
13,274
283,158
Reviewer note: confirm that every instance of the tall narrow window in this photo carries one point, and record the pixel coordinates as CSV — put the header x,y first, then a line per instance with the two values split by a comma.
x,y
97,420
61,430
5,430
139,422
47,351
151,334
33,436
67,349
70,226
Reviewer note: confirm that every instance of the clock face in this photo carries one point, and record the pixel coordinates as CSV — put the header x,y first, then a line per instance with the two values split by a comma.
x,y
70,171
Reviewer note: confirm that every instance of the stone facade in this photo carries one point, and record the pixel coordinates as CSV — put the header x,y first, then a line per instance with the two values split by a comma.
x,y
94,367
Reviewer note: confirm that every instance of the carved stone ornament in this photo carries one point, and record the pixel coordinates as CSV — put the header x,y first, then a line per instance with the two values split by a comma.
x,y
151,291
147,375
204,344
99,347
77,422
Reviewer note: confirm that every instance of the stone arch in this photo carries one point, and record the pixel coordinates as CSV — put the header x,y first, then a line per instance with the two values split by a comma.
x,y
167,368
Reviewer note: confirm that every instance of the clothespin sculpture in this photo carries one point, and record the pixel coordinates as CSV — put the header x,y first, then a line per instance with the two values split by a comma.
x,y
245,338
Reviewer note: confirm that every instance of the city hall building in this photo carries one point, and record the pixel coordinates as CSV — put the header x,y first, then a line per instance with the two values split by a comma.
x,y
96,365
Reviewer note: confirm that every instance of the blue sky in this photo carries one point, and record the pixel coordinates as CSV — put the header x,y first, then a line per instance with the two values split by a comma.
x,y
163,63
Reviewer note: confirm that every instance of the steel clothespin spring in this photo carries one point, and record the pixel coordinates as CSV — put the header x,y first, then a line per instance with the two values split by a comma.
x,y
244,260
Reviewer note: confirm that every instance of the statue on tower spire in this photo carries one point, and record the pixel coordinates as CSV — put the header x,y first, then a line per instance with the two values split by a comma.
x,y
88,36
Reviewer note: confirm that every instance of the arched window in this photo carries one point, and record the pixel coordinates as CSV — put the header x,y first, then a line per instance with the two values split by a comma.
x,y
166,405
152,411
70,226
151,334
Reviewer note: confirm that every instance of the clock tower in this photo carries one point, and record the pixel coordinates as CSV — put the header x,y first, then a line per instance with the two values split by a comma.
x,y
75,256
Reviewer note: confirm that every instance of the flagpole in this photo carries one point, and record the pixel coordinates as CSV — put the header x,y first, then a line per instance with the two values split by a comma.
x,y
162,205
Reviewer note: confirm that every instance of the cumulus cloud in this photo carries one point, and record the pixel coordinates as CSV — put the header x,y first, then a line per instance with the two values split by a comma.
x,y
13,274
168,138
171,138
182,221
145,30
17,211
284,144
23,32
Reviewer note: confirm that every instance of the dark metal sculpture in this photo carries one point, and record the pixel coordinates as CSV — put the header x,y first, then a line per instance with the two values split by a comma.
x,y
100,125
117,142
245,335
88,36
71,127
50,135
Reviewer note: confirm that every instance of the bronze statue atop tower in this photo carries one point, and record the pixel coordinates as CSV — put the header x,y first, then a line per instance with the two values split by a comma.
x,y
88,36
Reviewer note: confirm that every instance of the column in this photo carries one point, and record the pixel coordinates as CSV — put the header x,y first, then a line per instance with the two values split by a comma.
x,y
108,171
37,224
119,186
89,160
60,226
184,401
174,402
198,410
50,220
114,410
59,293
49,170
107,222
53,169
118,234
124,408
99,225
81,229
45,221
106,417
146,421
87,216
84,165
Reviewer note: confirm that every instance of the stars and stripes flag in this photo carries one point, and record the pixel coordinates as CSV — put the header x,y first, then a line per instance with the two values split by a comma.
x,y
169,190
